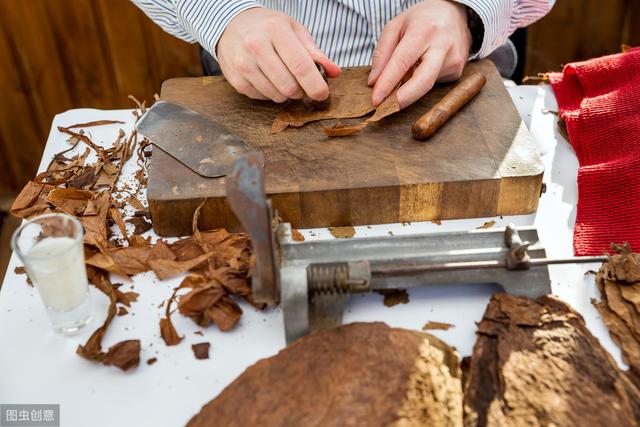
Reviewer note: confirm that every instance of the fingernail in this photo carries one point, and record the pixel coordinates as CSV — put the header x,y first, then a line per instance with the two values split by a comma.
x,y
377,99
372,76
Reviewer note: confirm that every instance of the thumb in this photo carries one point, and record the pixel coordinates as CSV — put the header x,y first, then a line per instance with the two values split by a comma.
x,y
330,67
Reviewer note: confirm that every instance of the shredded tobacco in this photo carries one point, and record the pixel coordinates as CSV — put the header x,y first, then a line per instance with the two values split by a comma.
x,y
89,191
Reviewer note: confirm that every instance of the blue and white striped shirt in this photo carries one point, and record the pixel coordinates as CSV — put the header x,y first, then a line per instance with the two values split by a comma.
x,y
346,30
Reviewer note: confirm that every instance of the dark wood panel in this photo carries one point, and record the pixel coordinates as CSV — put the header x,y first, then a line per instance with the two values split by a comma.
x,y
581,29
62,54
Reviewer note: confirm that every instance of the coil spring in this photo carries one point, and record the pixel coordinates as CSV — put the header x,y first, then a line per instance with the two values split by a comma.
x,y
328,279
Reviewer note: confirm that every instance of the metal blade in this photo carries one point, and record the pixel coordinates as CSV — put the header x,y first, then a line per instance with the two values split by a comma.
x,y
200,143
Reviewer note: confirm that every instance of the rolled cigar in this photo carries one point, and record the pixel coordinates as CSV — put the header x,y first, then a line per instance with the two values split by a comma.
x,y
437,116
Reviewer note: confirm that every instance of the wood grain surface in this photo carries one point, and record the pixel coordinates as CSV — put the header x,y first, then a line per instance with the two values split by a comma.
x,y
482,163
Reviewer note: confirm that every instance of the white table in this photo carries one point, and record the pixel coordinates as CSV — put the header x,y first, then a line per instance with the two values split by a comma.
x,y
38,366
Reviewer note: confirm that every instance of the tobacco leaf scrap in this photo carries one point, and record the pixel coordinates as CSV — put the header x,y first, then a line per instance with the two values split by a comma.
x,y
535,363
618,281
345,232
22,270
486,224
201,350
430,325
125,355
394,296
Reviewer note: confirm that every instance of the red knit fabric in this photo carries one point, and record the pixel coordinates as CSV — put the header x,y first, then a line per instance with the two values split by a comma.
x,y
600,102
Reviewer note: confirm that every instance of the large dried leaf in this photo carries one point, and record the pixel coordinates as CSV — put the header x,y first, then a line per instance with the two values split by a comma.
x,y
619,283
70,200
535,363
32,200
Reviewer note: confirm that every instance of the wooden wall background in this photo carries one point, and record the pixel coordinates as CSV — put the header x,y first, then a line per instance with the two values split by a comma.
x,y
62,54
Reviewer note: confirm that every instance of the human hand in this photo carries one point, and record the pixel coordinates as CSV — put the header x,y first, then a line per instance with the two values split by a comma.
x,y
265,54
432,39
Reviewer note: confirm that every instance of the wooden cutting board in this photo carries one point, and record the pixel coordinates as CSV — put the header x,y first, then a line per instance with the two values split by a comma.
x,y
483,162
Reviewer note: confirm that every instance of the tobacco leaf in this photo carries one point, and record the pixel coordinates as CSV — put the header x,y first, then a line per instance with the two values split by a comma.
x,y
122,311
536,363
22,270
140,224
350,98
485,225
125,355
95,225
394,296
430,325
207,303
166,268
618,281
32,200
297,235
95,123
92,349
152,360
167,330
116,216
361,374
69,200
389,106
201,350
346,232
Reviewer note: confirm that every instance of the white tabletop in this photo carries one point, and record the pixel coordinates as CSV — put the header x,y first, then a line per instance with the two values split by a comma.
x,y
38,366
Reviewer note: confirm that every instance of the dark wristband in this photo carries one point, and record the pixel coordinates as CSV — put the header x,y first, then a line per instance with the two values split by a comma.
x,y
476,27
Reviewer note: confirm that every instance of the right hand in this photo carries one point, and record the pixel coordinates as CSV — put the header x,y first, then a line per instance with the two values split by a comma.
x,y
265,54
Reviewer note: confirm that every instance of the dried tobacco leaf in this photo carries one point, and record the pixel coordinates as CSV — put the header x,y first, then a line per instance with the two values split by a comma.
x,y
361,374
167,330
389,106
152,360
207,303
22,270
350,98
618,281
394,296
297,235
430,325
95,123
92,349
201,350
125,355
346,232
140,224
536,363
486,224
32,200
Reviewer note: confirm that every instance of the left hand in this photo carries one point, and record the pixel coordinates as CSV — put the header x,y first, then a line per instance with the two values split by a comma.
x,y
432,38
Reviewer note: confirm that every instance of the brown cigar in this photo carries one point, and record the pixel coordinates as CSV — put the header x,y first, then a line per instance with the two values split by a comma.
x,y
437,116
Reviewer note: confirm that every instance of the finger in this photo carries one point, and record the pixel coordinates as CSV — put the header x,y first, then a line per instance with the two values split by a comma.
x,y
299,61
386,45
330,67
244,87
409,50
264,85
277,73
423,79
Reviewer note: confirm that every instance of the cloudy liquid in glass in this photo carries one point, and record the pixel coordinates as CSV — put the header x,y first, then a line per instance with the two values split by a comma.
x,y
61,279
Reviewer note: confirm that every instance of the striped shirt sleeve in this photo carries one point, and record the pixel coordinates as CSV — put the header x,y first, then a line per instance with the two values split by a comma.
x,y
201,21
502,17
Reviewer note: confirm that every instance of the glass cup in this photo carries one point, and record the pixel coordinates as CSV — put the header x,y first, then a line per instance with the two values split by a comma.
x,y
51,248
